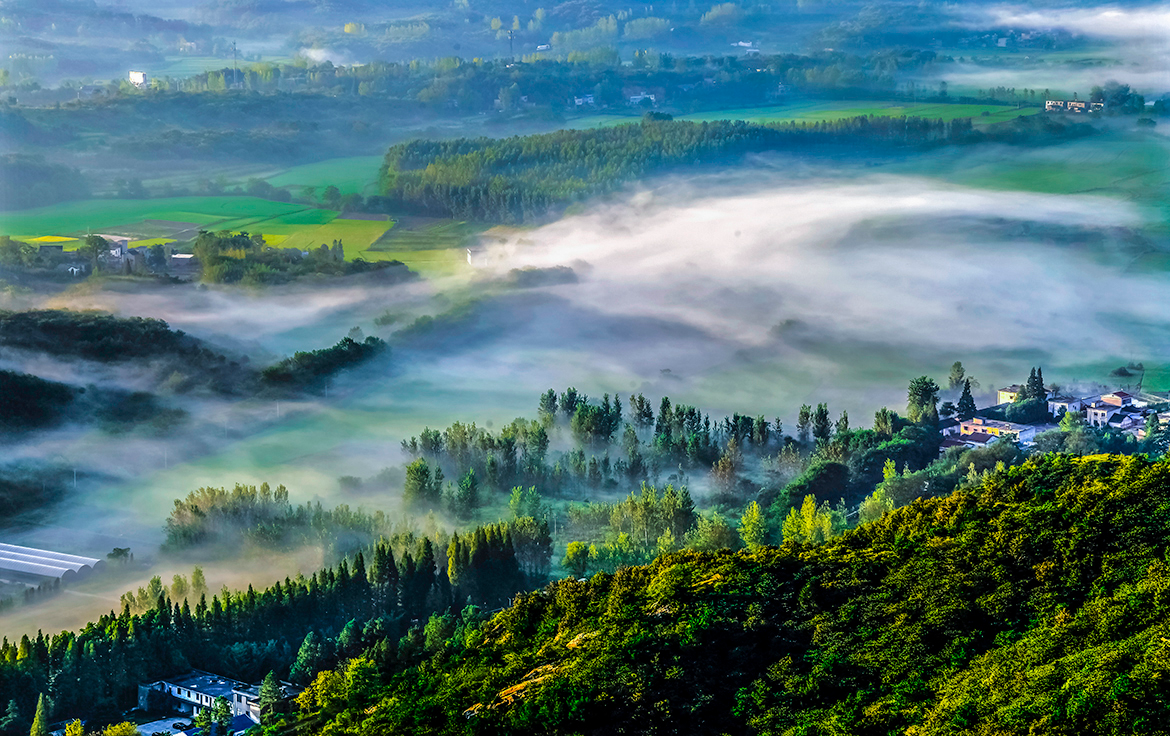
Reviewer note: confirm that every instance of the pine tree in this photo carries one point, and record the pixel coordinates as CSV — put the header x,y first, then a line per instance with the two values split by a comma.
x,y
307,658
40,724
11,717
966,406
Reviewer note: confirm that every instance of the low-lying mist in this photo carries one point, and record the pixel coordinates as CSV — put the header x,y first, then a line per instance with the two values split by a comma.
x,y
754,292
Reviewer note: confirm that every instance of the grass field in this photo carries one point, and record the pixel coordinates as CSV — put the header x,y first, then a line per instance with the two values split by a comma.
x,y
1131,165
358,174
433,246
816,111
97,215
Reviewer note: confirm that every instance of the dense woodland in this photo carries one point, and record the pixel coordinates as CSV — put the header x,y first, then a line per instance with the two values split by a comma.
x,y
381,606
1031,603
526,178
1031,599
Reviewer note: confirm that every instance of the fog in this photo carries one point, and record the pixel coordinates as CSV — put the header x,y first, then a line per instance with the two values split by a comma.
x,y
755,291
1133,47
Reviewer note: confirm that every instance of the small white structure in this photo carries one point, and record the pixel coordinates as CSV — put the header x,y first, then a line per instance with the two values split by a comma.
x,y
138,79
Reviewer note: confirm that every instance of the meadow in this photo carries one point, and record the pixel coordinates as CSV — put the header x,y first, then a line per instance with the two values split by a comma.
x,y
351,175
815,111
426,245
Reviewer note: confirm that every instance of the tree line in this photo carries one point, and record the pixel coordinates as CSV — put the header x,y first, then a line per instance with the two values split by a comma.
x,y
524,178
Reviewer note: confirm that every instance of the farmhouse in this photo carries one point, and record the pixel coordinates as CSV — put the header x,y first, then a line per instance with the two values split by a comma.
x,y
1075,106
1008,394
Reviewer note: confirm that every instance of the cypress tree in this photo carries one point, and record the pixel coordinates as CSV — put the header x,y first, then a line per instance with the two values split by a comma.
x,y
966,407
40,724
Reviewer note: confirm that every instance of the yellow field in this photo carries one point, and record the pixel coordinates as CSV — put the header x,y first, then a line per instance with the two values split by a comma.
x,y
52,239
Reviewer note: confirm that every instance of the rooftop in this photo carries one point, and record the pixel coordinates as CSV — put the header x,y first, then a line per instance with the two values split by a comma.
x,y
206,683
981,438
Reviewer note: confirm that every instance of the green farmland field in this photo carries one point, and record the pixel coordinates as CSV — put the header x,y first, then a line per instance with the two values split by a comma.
x,y
150,221
357,174
98,215
817,111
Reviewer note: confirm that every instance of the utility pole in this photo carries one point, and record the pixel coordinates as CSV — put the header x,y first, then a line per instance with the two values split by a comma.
x,y
235,68
511,52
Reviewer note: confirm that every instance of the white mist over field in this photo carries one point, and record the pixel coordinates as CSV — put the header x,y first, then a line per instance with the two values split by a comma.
x,y
753,293
1134,48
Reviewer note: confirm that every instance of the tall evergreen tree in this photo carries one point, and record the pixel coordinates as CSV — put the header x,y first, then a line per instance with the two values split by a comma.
x,y
40,724
966,406
11,717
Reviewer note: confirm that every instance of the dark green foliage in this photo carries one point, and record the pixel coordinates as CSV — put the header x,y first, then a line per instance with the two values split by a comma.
x,y
966,406
28,402
297,626
525,178
1028,411
1032,603
30,181
184,361
826,481
228,258
306,369
93,335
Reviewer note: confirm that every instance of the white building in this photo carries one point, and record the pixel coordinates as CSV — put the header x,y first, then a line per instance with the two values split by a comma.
x,y
138,79
197,691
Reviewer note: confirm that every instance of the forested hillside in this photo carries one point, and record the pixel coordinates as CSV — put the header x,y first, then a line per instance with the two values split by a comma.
x,y
524,178
1034,603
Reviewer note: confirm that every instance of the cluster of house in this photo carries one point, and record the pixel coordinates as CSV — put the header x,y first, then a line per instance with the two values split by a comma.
x,y
1072,106
120,258
1117,411
189,694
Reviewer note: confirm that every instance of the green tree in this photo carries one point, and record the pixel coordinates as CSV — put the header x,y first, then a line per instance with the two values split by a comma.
x,y
958,376
11,717
965,409
422,489
711,534
922,401
74,728
221,714
198,583
874,506
40,724
307,658
466,499
270,697
525,502
331,197
810,524
204,721
576,559
822,425
753,527
803,421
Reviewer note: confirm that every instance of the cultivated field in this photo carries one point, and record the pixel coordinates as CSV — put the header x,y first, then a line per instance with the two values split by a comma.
x,y
431,246
829,110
